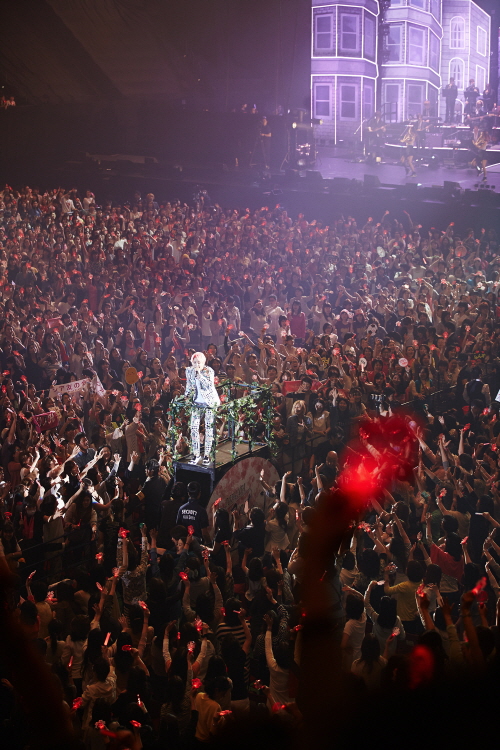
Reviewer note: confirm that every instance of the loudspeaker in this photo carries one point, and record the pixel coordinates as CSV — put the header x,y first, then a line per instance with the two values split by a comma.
x,y
371,181
409,190
313,176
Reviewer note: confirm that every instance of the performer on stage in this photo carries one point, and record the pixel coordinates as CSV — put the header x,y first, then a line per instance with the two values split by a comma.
x,y
408,139
421,131
200,388
265,142
376,130
480,118
450,93
480,141
471,94
488,98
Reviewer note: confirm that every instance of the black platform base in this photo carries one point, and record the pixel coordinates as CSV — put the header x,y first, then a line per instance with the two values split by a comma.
x,y
186,470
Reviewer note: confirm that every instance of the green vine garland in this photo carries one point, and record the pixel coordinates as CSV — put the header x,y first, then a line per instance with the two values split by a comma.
x,y
244,413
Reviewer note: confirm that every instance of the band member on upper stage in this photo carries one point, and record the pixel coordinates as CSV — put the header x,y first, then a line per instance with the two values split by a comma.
x,y
265,141
480,117
450,93
480,142
471,94
408,139
420,131
488,98
376,131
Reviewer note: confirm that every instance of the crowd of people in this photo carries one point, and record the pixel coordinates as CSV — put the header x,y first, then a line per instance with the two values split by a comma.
x,y
148,619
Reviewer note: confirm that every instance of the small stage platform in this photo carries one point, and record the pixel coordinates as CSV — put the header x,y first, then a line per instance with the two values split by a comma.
x,y
185,470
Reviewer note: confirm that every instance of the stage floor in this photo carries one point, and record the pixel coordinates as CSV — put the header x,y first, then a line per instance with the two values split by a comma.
x,y
330,163
223,456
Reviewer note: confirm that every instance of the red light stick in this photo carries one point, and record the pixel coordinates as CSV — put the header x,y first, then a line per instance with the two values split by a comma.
x,y
183,575
479,586
126,647
278,707
196,683
106,640
191,530
136,724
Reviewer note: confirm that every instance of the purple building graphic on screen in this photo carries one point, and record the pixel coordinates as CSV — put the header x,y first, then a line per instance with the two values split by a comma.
x,y
392,55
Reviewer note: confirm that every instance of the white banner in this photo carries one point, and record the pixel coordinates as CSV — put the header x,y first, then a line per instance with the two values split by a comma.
x,y
77,386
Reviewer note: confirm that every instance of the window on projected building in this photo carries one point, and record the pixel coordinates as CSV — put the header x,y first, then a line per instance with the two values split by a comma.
x,y
350,36
322,99
394,43
348,101
324,33
457,33
416,45
415,99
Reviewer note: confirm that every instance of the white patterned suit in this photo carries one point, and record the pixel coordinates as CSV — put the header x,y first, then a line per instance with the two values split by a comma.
x,y
200,387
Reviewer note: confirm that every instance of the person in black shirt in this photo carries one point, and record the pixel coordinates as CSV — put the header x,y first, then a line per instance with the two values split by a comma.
x,y
488,98
375,135
252,536
265,142
152,493
450,93
193,514
471,94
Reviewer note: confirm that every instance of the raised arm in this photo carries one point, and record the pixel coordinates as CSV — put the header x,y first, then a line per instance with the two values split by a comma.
x,y
283,486
402,532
